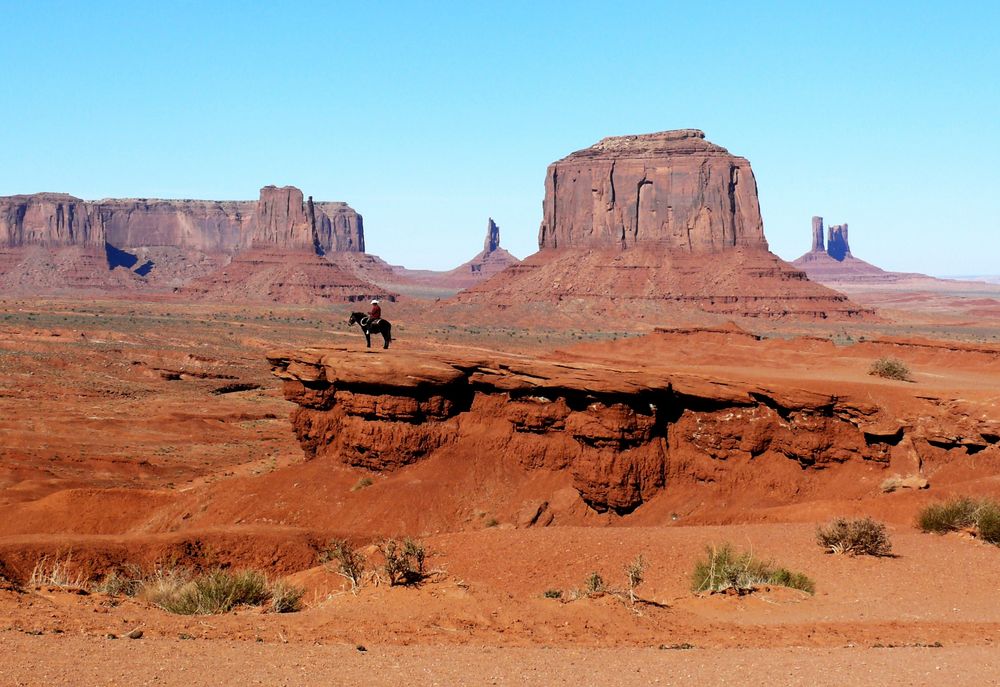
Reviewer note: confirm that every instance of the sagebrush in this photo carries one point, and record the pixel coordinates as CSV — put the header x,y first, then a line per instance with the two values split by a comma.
x,y
404,562
350,562
890,368
859,537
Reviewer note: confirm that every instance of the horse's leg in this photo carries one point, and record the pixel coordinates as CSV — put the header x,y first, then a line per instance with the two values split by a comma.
x,y
387,335
368,337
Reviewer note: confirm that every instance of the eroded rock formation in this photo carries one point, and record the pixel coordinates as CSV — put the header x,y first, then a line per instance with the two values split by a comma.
x,y
654,226
623,433
833,262
671,188
183,244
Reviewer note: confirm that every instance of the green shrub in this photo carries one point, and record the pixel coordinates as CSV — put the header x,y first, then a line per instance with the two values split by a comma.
x,y
404,563
890,368
862,536
553,594
988,522
724,568
948,516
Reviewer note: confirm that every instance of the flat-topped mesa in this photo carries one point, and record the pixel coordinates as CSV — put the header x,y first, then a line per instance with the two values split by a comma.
x,y
279,219
47,219
671,188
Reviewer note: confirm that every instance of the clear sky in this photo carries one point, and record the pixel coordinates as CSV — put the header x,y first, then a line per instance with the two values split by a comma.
x,y
430,117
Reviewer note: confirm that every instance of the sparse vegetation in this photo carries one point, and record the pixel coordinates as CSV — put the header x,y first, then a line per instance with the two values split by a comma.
x,y
981,516
726,569
553,594
362,483
217,591
491,522
350,562
56,572
948,516
890,368
286,598
404,563
634,574
593,583
859,537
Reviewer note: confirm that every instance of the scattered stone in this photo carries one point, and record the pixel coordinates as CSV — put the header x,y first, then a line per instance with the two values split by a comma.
x,y
134,634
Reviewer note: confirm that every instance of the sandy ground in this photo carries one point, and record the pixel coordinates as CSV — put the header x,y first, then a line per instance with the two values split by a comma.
x,y
118,437
81,661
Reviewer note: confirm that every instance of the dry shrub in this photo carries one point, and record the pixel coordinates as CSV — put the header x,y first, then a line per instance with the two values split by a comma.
x,y
404,563
634,572
217,591
890,368
593,583
56,572
860,537
286,598
350,562
724,568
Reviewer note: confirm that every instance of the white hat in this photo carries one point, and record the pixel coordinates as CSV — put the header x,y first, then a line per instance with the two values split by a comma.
x,y
374,301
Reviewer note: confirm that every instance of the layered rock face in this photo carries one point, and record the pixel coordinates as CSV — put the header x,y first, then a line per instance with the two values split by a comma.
x,y
623,434
672,188
47,219
651,227
175,244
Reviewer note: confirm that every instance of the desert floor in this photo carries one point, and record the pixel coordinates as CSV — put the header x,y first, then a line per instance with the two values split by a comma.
x,y
128,429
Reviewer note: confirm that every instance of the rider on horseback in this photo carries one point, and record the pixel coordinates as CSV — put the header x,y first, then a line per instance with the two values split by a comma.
x,y
376,313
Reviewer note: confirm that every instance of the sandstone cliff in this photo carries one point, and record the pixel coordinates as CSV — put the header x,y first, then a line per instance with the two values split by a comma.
x,y
652,228
47,219
671,188
627,432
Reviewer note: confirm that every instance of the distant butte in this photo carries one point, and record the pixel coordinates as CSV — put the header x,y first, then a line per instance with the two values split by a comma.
x,y
832,261
272,249
651,226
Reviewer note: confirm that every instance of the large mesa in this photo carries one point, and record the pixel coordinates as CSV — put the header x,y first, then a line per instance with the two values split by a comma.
x,y
652,226
671,188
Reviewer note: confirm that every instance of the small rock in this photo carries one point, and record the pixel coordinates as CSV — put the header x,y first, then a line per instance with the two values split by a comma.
x,y
135,634
361,647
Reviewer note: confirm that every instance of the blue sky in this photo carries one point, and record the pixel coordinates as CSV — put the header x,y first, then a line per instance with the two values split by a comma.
x,y
430,117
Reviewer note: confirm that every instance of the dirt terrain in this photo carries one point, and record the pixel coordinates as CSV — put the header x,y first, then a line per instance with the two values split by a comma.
x,y
155,434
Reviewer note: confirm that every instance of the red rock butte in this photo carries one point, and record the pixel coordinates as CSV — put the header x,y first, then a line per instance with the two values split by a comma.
x,y
652,225
272,249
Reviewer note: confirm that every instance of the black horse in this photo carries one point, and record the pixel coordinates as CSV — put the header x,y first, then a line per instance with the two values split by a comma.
x,y
383,327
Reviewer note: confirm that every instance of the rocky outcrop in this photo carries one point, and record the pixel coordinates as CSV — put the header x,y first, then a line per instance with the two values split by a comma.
x,y
833,262
671,188
47,219
173,244
654,227
622,433
279,219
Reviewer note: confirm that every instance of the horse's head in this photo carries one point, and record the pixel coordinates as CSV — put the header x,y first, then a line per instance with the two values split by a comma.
x,y
355,317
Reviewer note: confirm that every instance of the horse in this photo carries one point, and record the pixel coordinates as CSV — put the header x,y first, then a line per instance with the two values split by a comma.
x,y
383,327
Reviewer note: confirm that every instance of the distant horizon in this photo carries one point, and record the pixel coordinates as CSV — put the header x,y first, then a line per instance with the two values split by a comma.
x,y
428,120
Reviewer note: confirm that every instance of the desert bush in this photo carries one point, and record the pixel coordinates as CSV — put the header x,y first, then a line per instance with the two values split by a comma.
x,y
862,536
593,583
56,572
634,574
890,368
988,522
553,594
724,568
218,591
948,516
350,562
404,563
362,483
286,598
128,581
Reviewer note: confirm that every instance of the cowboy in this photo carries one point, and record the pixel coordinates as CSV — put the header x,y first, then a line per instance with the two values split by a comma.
x,y
376,313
